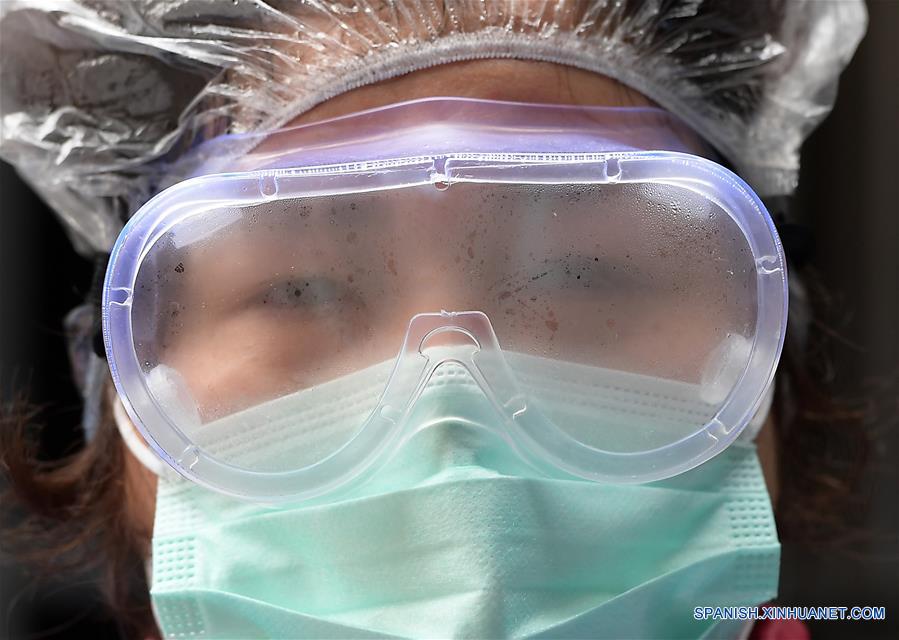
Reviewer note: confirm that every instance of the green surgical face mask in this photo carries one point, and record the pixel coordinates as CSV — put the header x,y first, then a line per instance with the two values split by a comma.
x,y
457,536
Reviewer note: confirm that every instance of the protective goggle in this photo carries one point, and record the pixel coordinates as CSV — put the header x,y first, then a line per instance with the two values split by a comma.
x,y
616,304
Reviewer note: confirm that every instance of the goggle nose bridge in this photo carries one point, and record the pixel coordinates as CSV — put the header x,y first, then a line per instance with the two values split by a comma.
x,y
473,325
485,362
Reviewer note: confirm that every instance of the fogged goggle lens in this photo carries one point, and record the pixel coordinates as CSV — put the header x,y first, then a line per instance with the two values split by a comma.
x,y
641,298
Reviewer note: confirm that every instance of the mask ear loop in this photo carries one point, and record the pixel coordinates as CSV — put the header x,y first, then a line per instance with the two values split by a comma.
x,y
135,443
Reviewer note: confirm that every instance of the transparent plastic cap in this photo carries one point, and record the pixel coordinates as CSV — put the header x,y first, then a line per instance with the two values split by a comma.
x,y
621,313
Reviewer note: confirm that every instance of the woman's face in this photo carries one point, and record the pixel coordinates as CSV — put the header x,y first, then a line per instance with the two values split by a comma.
x,y
251,321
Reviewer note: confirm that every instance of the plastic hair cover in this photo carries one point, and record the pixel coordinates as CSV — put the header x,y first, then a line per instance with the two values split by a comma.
x,y
102,100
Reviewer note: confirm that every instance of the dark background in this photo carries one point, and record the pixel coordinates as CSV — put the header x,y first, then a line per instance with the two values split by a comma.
x,y
849,195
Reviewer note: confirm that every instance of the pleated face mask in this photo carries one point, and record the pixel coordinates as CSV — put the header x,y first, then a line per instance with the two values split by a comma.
x,y
457,535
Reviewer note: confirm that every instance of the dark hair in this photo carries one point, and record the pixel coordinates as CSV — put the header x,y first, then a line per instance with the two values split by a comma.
x,y
824,438
69,518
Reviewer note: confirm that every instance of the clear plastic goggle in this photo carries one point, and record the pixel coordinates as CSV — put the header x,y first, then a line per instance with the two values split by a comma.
x,y
617,304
